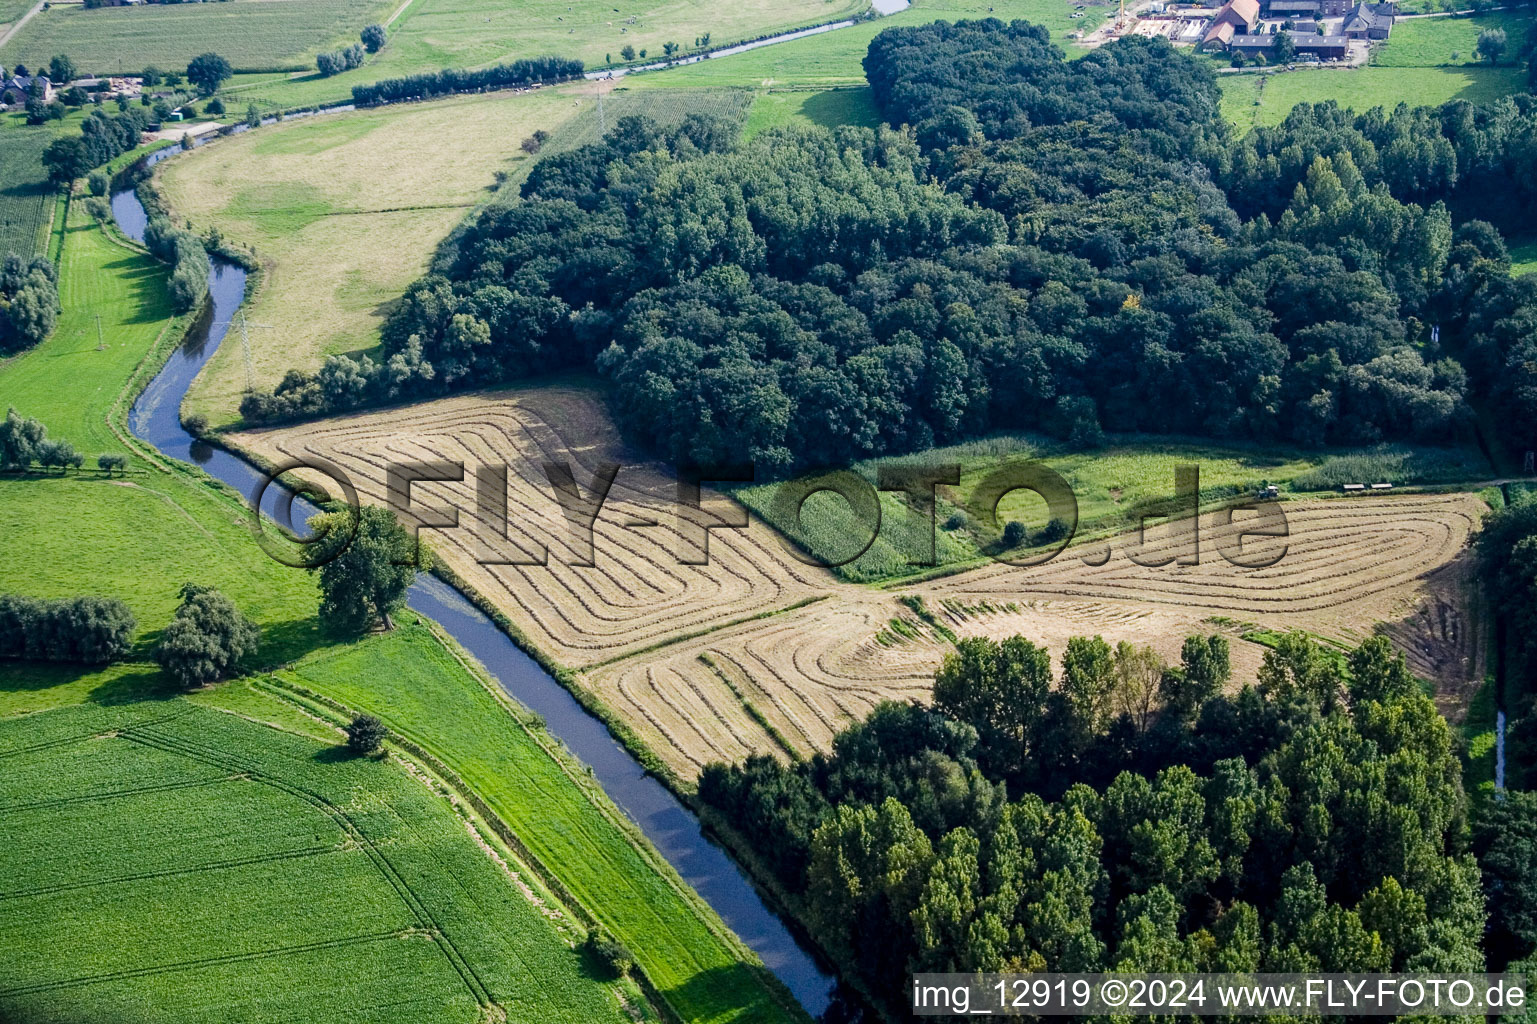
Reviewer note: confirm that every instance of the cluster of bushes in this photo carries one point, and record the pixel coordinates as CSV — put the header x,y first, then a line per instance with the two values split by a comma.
x,y
29,302
25,441
518,73
187,256
337,61
207,640
1128,816
102,137
86,630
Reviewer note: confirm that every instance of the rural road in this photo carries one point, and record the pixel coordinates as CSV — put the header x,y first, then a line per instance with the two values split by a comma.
x,y
21,21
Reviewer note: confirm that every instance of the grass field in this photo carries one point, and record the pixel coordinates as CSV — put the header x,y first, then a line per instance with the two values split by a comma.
x,y
1523,256
469,33
1437,42
250,34
833,58
344,211
826,107
1111,486
418,688
1249,100
168,857
138,537
433,34
97,278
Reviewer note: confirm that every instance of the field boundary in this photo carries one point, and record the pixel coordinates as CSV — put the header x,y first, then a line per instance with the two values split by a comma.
x,y
518,851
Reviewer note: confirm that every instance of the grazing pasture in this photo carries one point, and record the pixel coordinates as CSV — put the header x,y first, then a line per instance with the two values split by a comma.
x,y
344,211
834,58
828,108
172,856
1450,42
137,536
422,690
1250,99
758,651
253,35
98,277
432,34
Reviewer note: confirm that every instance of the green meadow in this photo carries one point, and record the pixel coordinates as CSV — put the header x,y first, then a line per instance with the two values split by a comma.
x,y
139,537
173,859
828,108
1438,42
423,691
1265,99
1113,488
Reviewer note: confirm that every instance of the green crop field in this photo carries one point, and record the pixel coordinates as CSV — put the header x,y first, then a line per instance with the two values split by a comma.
x,y
1249,100
826,107
418,688
1436,42
1113,487
25,197
167,857
251,34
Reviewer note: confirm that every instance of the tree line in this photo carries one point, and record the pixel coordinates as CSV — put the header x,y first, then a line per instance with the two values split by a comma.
x,y
24,442
86,630
513,75
1129,816
29,302
184,251
1050,245
1507,554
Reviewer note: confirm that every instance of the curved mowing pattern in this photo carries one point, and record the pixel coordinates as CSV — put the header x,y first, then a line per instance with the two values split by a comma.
x,y
757,652
634,596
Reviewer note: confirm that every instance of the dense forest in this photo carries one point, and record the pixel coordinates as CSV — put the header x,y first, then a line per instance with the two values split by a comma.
x,y
1131,816
1069,246
1507,550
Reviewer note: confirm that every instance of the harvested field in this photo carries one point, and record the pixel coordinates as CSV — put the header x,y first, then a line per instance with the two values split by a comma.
x,y
758,652
635,595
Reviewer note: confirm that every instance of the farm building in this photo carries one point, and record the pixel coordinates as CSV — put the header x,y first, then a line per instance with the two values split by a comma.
x,y
1326,47
1237,17
1308,8
1370,21
1295,9
18,88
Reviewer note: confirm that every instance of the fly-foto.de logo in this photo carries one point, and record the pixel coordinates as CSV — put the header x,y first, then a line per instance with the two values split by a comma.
x,y
1248,532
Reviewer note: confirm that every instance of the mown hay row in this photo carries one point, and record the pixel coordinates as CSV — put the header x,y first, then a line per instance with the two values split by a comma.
x,y
714,661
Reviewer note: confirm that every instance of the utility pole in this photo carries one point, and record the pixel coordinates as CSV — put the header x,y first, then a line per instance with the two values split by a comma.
x,y
101,344
602,121
245,345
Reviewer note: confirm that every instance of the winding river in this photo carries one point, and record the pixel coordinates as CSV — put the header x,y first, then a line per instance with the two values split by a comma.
x,y
670,826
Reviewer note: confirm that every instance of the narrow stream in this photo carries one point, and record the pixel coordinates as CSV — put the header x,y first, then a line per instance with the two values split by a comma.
x,y
670,826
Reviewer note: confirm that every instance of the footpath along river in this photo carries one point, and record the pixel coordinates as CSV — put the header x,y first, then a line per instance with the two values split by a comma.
x,y
670,826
